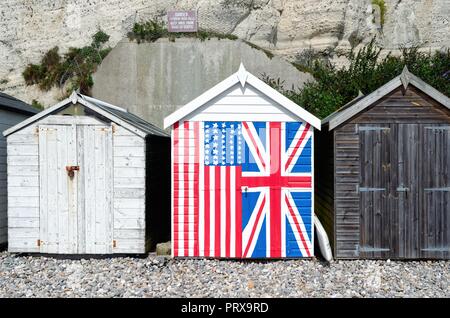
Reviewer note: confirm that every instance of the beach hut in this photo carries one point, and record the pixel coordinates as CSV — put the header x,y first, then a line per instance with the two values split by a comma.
x,y
383,177
242,173
87,177
12,111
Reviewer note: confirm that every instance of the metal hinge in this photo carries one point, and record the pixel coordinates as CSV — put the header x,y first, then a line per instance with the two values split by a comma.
x,y
445,189
365,128
39,242
114,243
364,189
113,128
373,249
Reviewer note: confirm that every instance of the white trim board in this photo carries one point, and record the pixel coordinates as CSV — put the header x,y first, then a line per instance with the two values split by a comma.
x,y
243,77
81,99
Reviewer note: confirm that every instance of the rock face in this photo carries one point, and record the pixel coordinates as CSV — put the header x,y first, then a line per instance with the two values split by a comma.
x,y
154,79
31,27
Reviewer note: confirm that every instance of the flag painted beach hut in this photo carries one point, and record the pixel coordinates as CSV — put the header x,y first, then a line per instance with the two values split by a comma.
x,y
87,177
383,177
242,173
12,111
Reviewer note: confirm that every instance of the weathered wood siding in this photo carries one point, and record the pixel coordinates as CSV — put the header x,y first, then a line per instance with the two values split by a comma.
x,y
7,120
23,191
391,180
346,178
129,191
241,104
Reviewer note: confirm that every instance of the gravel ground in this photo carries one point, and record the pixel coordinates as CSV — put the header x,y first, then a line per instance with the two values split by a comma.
x,y
34,276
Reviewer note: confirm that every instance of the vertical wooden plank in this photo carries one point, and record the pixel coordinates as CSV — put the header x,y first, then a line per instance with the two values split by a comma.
x,y
43,196
81,199
434,193
95,151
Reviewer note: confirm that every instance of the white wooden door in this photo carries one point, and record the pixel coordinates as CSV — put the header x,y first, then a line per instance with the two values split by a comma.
x,y
95,189
58,195
75,208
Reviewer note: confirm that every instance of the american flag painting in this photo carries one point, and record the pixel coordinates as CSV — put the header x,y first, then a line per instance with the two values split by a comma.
x,y
242,189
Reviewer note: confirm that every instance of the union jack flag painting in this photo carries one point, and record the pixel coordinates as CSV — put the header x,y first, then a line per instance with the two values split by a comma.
x,y
242,189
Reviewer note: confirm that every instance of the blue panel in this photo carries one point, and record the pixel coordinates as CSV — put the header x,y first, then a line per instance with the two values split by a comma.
x,y
249,163
303,163
292,249
248,204
260,247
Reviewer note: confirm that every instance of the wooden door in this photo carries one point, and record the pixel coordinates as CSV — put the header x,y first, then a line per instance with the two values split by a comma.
x,y
374,191
435,192
75,208
404,191
58,194
95,189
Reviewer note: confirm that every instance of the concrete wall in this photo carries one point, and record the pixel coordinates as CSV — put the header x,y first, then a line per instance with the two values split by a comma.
x,y
154,79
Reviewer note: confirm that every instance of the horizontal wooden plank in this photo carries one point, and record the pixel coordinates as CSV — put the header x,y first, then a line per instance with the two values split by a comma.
x,y
120,224
23,222
24,232
137,162
131,193
127,182
23,202
23,160
22,245
20,212
29,170
137,234
129,203
128,141
129,172
128,213
23,150
23,181
128,151
23,191
23,139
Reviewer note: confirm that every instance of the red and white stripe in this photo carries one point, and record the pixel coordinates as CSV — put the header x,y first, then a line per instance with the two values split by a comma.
x,y
206,213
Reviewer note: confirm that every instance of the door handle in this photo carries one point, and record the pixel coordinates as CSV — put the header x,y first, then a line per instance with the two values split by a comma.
x,y
70,170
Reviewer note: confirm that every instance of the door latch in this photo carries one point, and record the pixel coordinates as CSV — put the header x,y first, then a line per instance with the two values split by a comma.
x,y
70,170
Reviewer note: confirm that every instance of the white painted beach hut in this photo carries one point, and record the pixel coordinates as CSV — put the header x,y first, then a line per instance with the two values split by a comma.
x,y
87,177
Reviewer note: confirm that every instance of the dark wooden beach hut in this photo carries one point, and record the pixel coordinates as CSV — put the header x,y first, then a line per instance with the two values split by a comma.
x,y
383,176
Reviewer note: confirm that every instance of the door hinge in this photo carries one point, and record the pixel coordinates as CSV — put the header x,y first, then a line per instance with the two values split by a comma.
x,y
114,243
39,242
113,128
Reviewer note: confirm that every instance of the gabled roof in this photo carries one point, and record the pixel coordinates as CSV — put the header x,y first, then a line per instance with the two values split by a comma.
x,y
114,113
14,104
358,105
242,77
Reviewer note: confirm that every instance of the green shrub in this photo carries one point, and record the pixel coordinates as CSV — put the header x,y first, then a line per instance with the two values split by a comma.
x,y
366,72
75,68
151,31
382,5
37,105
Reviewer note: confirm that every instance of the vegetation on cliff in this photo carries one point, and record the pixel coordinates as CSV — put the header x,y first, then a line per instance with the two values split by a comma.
x,y
151,31
334,87
73,70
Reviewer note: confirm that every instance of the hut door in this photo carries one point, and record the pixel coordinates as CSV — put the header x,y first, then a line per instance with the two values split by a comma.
x,y
75,163
373,190
95,189
58,195
435,189
404,196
